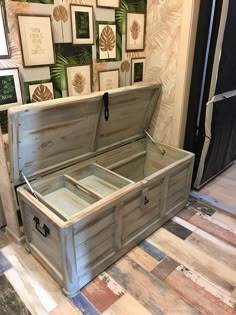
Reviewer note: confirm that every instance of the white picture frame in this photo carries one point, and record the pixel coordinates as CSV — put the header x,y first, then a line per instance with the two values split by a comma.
x,y
109,79
41,92
78,80
107,30
10,88
82,24
137,70
108,4
36,40
135,31
4,49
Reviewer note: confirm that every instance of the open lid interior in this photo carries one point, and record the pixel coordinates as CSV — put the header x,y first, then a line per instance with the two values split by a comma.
x,y
51,135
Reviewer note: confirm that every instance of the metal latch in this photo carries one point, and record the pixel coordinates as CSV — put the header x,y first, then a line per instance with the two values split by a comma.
x,y
29,185
163,152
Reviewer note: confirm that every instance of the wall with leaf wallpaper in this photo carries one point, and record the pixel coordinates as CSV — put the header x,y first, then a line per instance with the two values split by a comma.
x,y
163,49
66,53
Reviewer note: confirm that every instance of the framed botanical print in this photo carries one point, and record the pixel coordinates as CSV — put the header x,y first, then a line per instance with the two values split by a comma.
x,y
137,70
82,24
135,31
109,79
78,79
10,88
106,41
36,40
108,3
41,92
4,50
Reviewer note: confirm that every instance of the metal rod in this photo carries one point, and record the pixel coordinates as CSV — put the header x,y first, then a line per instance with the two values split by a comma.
x,y
153,141
30,187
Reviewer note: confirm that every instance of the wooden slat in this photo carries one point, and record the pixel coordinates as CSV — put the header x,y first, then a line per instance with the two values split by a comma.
x,y
219,251
99,295
127,305
148,289
180,250
143,259
213,229
196,296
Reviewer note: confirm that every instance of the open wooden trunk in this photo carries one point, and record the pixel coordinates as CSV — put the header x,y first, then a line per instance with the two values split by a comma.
x,y
97,187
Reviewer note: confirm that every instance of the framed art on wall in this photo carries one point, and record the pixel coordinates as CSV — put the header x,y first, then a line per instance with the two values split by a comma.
x,y
36,40
137,70
109,79
4,50
10,89
135,31
108,3
41,92
78,79
107,40
82,24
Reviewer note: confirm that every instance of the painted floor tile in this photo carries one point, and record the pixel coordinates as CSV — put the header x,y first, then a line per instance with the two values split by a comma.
x,y
199,298
4,263
85,307
166,266
187,213
152,250
99,295
177,229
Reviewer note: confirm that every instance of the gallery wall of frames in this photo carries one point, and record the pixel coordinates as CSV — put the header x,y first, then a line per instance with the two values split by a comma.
x,y
53,49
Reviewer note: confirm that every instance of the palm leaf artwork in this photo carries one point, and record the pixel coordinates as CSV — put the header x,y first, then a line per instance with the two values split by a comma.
x,y
60,14
125,67
107,40
41,93
79,82
135,30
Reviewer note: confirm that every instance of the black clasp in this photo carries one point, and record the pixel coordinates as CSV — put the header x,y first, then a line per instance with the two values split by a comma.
x,y
146,200
39,228
106,105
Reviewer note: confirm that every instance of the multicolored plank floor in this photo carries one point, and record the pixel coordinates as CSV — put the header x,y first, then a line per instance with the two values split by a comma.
x,y
187,267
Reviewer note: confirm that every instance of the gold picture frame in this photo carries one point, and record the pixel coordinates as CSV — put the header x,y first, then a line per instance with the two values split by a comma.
x,y
135,31
36,39
109,79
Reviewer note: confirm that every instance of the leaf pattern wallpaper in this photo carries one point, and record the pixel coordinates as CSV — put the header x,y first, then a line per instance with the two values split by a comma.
x,y
163,18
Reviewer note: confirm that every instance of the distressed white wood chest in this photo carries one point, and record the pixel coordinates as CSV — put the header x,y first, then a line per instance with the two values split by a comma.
x,y
97,182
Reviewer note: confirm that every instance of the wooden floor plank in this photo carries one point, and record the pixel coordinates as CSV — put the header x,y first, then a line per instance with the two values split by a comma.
x,y
187,213
225,254
230,220
177,229
143,258
99,294
195,295
204,283
213,229
191,257
166,266
127,305
31,281
152,293
64,309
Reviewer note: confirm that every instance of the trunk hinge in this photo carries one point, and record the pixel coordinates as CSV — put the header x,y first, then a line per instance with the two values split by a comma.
x,y
28,184
163,152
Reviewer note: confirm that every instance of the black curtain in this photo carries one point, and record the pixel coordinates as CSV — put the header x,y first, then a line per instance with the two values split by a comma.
x,y
222,149
201,77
